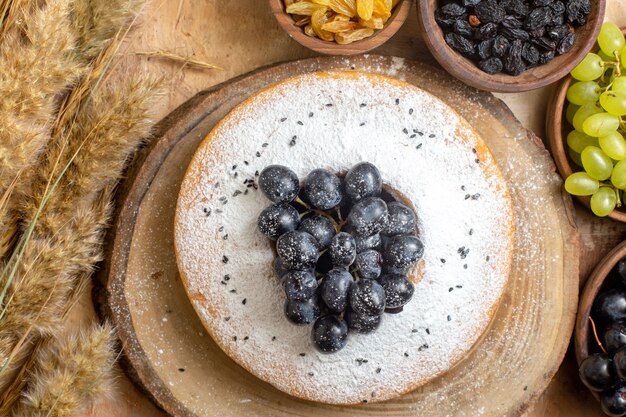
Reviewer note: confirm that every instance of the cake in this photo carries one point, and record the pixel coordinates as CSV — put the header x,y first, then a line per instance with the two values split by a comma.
x,y
426,152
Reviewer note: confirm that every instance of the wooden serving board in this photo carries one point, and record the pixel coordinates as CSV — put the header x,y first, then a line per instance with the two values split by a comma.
x,y
169,354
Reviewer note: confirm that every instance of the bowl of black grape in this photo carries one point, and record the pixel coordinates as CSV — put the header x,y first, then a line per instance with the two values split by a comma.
x,y
600,337
346,249
586,130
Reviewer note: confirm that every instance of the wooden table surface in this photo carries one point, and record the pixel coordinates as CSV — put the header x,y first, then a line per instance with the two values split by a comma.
x,y
241,35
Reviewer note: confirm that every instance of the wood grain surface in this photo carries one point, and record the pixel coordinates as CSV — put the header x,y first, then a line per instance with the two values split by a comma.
x,y
242,35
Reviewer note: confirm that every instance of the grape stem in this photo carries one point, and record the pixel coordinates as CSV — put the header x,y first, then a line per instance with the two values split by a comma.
x,y
619,200
617,65
595,334
339,214
299,201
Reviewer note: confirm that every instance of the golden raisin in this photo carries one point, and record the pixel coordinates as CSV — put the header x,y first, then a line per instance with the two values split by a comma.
x,y
318,19
339,26
344,7
365,8
373,23
344,38
304,8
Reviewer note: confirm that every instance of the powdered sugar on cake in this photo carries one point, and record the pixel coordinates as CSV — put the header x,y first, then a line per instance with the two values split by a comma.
x,y
335,120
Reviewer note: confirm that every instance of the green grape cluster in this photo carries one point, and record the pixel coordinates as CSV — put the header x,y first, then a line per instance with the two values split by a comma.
x,y
596,110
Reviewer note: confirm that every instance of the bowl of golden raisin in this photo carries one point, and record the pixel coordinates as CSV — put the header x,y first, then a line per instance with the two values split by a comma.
x,y
341,27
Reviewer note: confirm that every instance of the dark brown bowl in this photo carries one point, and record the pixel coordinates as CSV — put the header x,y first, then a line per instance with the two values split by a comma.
x,y
393,24
557,129
540,76
599,280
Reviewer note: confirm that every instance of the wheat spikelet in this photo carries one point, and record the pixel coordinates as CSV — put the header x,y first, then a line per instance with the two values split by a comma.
x,y
23,319
69,373
36,65
65,241
96,22
103,136
64,202
9,10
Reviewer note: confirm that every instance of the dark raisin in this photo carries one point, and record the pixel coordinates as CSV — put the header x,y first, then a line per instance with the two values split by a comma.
x,y
463,28
542,3
491,65
513,34
500,45
546,57
511,22
566,43
444,21
470,3
453,10
558,19
489,11
515,7
513,63
530,53
487,31
485,49
557,7
538,18
557,32
545,43
576,11
537,33
460,44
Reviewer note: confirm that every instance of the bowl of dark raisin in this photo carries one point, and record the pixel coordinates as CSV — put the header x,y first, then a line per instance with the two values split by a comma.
x,y
510,45
600,336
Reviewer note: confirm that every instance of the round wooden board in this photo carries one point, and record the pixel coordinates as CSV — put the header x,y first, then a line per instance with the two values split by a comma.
x,y
169,354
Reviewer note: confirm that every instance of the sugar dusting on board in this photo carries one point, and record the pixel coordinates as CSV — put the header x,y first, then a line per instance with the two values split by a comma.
x,y
335,120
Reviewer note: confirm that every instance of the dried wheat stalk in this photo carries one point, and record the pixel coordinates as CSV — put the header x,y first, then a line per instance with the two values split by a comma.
x,y
36,65
96,22
66,239
186,61
63,204
9,10
68,373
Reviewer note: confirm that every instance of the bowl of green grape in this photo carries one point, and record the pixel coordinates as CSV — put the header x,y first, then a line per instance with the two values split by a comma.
x,y
586,126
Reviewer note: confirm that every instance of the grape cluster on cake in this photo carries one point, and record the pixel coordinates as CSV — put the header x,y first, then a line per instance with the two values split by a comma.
x,y
344,249
606,372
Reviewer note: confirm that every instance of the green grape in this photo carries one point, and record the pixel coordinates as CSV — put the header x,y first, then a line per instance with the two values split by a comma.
x,y
613,145
603,201
578,141
579,183
589,69
610,38
618,177
600,124
597,164
622,55
613,102
575,157
583,92
583,113
619,85
570,111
